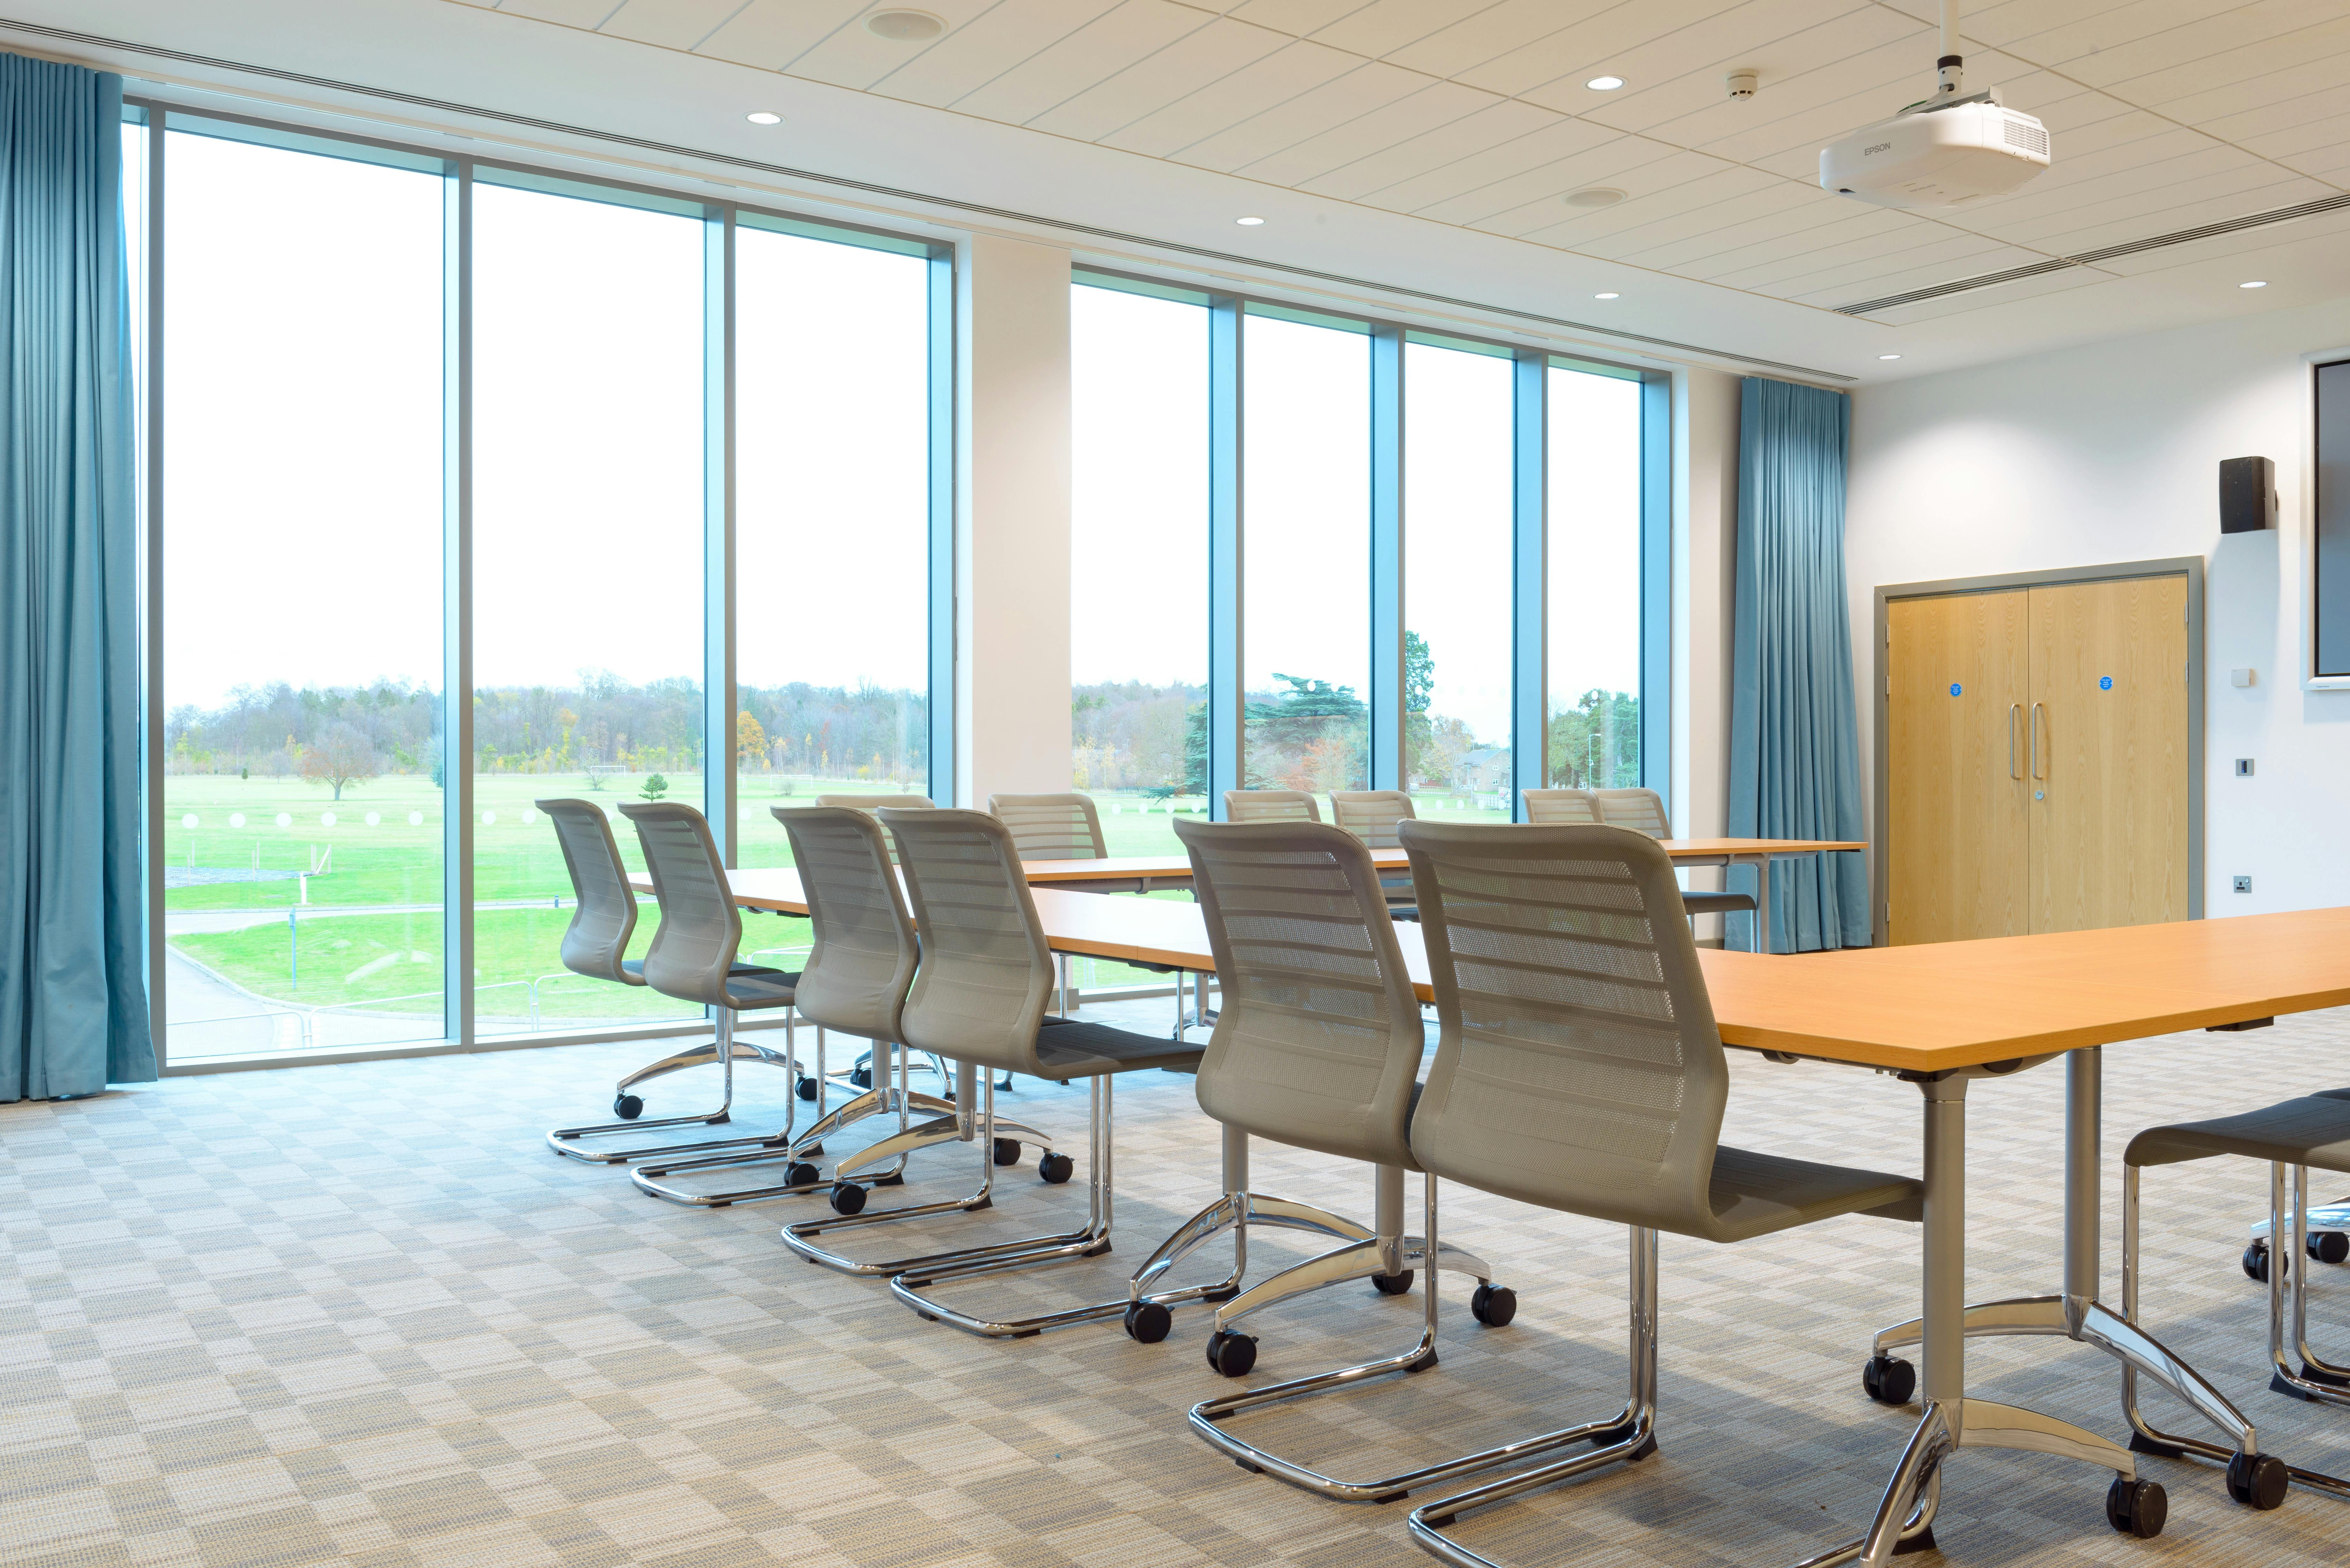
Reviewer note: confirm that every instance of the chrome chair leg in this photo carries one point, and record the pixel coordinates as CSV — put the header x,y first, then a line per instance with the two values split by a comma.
x,y
1387,1252
1090,1241
2242,1452
725,1051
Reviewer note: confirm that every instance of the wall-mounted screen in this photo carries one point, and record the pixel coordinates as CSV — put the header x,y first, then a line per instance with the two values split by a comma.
x,y
2330,545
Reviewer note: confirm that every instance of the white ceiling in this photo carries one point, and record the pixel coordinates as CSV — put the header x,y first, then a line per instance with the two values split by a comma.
x,y
1429,143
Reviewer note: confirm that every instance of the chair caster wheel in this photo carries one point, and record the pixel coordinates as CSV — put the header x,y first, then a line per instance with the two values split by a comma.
x,y
2138,1507
1393,1284
2329,1246
2256,1261
847,1198
800,1173
862,1077
1147,1323
1493,1306
1056,1169
627,1107
1888,1380
1231,1354
805,1088
1007,1151
2258,1481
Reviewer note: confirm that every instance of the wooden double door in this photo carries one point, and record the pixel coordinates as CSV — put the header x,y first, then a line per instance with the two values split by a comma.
x,y
2037,761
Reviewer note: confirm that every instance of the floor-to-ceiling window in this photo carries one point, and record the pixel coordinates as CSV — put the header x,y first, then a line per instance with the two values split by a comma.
x,y
1305,500
1458,519
1138,561
302,599
587,564
1595,632
832,496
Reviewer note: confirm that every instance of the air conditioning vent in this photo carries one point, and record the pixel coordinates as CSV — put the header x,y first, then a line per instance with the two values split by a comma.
x,y
2029,135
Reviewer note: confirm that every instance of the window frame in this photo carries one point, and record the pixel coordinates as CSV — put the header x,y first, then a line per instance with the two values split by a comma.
x,y
459,173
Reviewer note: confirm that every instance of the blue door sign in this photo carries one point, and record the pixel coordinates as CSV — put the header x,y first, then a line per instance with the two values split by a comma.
x,y
2105,682
1954,688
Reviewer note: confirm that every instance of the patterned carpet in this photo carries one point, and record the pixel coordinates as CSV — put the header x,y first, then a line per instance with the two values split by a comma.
x,y
361,1314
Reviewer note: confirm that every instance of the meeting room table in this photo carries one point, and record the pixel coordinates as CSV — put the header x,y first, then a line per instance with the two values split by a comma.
x,y
1939,1017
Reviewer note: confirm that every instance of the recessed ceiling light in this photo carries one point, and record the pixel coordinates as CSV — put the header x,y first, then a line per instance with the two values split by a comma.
x,y
1605,84
1248,223
763,116
1888,356
2256,283
1597,196
905,26
1608,296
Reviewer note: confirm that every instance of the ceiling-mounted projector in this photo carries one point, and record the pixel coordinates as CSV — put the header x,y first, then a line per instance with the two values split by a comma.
x,y
1944,151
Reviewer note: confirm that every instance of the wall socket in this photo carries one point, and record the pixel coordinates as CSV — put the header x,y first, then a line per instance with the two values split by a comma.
x,y
2243,767
2243,884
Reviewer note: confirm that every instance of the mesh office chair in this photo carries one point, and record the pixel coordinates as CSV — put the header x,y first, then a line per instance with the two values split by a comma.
x,y
1578,1069
1557,807
693,958
1643,811
1318,1047
979,1000
2292,1136
861,1074
596,944
1269,806
1371,814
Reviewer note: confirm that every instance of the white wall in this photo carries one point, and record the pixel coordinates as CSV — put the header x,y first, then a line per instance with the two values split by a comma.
x,y
2109,454
1012,521
1705,536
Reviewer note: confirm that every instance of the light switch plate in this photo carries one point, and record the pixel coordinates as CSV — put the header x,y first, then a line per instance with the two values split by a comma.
x,y
2243,884
2243,767
2240,678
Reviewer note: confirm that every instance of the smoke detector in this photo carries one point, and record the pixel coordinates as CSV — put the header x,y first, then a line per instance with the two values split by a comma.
x,y
1740,83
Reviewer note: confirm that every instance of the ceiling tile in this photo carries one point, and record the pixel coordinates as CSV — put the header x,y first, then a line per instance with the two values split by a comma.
x,y
1834,280
1550,53
1589,230
1533,200
569,12
1380,29
1707,48
1794,221
2022,289
2286,122
1876,53
1192,62
2188,201
1446,148
1277,78
1433,107
2199,29
2084,37
1001,39
853,56
1296,19
1131,33
671,24
1863,238
1369,88
2308,60
2323,228
1474,184
771,33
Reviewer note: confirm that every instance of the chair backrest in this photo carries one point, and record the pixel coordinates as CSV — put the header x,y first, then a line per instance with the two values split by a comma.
x,y
1553,806
1641,810
864,954
1269,806
1319,1036
606,915
700,930
1371,814
1052,827
980,994
1577,1066
869,804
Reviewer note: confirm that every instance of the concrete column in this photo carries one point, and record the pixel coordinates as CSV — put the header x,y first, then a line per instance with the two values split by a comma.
x,y
1012,519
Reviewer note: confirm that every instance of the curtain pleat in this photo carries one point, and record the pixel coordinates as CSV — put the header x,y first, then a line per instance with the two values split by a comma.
x,y
1794,747
73,1002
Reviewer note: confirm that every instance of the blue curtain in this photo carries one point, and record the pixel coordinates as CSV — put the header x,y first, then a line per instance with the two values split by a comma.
x,y
1795,745
73,1002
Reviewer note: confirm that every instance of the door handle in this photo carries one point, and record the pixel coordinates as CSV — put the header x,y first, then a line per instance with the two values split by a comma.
x,y
2015,712
2036,772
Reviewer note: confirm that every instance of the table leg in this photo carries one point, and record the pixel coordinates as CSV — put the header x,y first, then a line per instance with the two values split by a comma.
x,y
1762,903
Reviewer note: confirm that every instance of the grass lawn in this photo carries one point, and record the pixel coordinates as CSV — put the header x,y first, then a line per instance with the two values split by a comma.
x,y
221,823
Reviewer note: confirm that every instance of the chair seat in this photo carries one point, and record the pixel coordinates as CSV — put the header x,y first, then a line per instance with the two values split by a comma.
x,y
1069,1049
1716,903
749,987
1754,1194
2314,1131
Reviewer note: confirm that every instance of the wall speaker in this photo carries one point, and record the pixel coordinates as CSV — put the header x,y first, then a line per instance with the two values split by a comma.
x,y
2247,495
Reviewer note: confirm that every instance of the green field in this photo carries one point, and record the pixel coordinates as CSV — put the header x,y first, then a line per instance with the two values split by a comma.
x,y
387,874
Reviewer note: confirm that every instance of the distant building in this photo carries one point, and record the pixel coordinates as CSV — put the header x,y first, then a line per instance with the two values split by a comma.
x,y
1486,768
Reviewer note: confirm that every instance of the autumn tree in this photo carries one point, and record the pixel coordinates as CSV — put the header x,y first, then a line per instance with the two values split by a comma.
x,y
340,757
750,740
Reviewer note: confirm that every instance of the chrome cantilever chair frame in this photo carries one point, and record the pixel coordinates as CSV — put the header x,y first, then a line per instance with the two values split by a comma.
x,y
595,944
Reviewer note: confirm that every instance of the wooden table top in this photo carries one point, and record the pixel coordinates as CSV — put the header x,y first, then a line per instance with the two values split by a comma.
x,y
1132,867
1921,1009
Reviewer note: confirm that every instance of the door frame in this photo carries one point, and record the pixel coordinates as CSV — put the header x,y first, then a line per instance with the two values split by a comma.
x,y
2189,567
